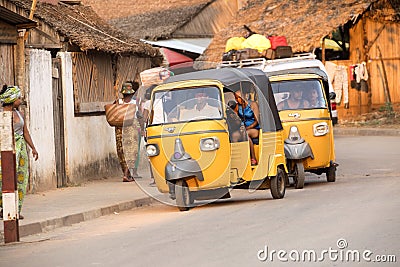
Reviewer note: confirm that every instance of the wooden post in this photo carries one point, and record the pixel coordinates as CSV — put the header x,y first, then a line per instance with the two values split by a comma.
x,y
364,57
323,51
9,187
20,62
388,99
31,14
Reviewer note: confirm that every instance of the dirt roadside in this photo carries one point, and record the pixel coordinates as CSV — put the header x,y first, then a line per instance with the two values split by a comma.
x,y
375,119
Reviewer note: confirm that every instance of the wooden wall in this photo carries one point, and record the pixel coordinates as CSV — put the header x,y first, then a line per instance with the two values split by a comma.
x,y
43,36
8,41
129,68
94,79
384,59
7,61
8,33
377,35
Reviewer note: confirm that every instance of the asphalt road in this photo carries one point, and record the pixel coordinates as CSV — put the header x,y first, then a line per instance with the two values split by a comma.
x,y
358,215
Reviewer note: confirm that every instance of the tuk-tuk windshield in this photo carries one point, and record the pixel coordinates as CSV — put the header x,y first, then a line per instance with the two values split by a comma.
x,y
189,104
299,94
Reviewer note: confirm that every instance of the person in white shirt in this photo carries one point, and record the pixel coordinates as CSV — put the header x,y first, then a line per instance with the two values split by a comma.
x,y
201,110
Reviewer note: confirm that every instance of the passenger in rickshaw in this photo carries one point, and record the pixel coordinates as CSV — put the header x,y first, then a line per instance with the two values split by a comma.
x,y
314,99
295,100
235,127
249,112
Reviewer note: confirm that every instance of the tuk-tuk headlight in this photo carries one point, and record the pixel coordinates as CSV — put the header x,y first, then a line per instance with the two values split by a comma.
x,y
320,129
294,134
152,150
209,143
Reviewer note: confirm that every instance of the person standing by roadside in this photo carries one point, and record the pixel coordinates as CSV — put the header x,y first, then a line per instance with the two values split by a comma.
x,y
127,137
10,100
146,113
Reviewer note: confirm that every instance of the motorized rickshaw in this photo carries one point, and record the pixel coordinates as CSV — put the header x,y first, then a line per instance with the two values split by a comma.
x,y
303,98
193,153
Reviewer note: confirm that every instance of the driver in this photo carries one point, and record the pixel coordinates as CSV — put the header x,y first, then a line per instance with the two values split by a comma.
x,y
295,100
201,108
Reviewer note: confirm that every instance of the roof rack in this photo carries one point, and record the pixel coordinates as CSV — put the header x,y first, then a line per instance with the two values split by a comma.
x,y
262,62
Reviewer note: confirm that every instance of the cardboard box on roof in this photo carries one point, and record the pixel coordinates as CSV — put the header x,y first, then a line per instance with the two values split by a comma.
x,y
154,76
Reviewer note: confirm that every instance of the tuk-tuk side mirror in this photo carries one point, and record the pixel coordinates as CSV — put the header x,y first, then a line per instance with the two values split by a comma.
x,y
332,95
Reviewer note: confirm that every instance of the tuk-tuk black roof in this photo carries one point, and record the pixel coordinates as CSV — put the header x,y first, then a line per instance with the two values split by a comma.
x,y
238,78
227,76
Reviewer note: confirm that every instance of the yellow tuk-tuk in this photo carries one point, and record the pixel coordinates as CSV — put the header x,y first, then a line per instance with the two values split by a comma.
x,y
195,154
303,98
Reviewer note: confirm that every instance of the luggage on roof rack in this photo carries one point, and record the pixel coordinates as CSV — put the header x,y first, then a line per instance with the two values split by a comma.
x,y
262,62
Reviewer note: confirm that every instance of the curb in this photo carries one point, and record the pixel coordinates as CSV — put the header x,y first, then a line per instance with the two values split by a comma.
x,y
68,220
366,131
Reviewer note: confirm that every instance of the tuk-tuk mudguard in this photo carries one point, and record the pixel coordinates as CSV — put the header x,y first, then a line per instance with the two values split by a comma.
x,y
182,169
276,161
298,151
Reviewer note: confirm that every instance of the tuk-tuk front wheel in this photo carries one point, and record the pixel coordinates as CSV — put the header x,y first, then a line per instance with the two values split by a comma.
x,y
182,194
299,175
278,184
331,173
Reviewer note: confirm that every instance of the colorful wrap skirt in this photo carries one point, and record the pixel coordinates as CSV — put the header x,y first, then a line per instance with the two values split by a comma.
x,y
127,141
22,170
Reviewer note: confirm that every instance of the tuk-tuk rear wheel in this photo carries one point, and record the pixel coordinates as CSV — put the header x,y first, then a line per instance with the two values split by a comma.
x,y
299,175
182,194
278,184
331,174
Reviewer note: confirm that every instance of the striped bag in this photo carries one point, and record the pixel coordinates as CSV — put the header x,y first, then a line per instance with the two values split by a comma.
x,y
119,115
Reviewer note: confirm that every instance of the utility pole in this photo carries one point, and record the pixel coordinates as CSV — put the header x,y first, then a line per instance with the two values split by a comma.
x,y
9,187
323,51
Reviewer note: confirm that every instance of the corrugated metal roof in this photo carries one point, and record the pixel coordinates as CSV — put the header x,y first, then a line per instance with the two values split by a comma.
x,y
16,19
194,45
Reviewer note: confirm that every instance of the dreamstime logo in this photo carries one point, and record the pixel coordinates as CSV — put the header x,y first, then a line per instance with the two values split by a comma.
x,y
342,254
341,243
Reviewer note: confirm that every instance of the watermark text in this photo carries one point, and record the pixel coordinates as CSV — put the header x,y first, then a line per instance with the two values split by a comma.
x,y
337,254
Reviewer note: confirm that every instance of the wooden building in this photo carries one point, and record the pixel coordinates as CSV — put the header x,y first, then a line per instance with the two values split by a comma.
x,y
74,63
12,29
373,29
375,39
